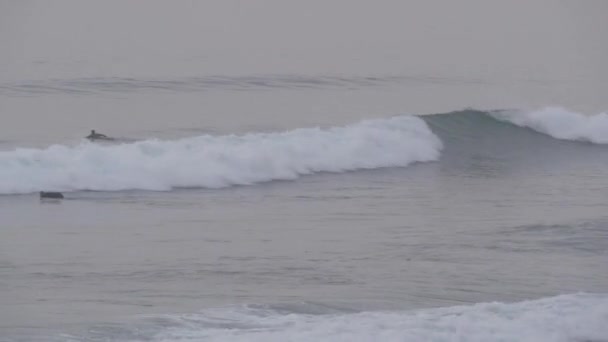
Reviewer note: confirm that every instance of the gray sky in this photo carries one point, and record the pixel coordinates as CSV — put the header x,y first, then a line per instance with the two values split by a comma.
x,y
470,38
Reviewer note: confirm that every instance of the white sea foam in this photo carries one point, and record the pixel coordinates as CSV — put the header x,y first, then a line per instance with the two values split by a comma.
x,y
219,161
561,123
575,317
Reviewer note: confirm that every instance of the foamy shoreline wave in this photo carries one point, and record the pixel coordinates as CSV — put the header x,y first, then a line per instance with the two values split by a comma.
x,y
565,318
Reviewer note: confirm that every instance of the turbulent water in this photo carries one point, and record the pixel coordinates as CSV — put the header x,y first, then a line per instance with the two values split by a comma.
x,y
563,318
377,220
342,170
219,161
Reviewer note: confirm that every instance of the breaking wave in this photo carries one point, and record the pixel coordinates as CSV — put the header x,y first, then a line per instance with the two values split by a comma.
x,y
219,161
560,123
555,122
209,161
573,317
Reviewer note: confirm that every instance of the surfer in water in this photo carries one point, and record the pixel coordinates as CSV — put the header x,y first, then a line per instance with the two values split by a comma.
x,y
97,136
54,195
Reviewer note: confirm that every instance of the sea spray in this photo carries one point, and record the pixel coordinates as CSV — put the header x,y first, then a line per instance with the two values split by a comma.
x,y
560,123
219,161
565,318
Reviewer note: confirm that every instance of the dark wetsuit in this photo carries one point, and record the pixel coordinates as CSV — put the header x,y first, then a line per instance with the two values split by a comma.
x,y
55,195
94,136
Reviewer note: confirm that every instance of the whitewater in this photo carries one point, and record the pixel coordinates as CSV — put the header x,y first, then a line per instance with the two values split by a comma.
x,y
220,161
215,162
575,317
304,171
470,225
561,123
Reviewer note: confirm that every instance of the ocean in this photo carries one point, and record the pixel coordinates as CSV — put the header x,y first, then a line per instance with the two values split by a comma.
x,y
357,184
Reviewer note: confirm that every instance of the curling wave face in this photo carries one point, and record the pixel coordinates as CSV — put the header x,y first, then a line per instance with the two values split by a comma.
x,y
219,161
560,123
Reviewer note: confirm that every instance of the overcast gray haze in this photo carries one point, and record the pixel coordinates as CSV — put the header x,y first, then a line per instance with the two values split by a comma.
x,y
281,170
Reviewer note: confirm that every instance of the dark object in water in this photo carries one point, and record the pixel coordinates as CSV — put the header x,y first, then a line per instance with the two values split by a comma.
x,y
50,194
98,136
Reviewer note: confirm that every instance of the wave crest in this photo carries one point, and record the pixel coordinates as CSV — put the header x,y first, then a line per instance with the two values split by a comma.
x,y
219,161
572,317
560,123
